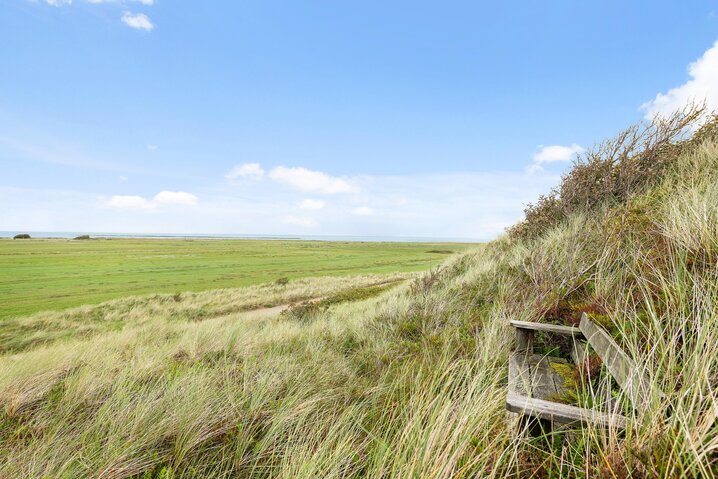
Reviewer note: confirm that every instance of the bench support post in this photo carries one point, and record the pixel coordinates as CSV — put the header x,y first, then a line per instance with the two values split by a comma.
x,y
579,352
525,340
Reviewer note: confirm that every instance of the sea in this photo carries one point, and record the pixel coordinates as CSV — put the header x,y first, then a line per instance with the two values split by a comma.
x,y
105,235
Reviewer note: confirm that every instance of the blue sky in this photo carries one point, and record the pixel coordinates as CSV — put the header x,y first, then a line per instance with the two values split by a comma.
x,y
402,118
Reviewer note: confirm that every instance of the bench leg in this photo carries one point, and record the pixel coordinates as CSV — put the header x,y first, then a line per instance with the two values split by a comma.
x,y
579,352
534,426
525,340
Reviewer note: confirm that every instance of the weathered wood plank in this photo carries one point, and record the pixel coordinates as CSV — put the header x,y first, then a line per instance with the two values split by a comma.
x,y
628,375
549,328
519,375
544,381
561,413
532,375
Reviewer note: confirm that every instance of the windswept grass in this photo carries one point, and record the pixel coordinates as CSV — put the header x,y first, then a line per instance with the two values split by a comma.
x,y
409,382
21,333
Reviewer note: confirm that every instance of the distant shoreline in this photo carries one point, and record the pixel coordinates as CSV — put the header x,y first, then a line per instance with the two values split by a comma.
x,y
358,239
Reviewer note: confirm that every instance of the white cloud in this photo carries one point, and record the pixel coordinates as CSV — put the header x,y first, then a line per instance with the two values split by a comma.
x,y
152,147
310,181
303,221
175,198
363,211
702,86
58,3
252,171
130,203
310,204
553,154
121,178
134,202
139,21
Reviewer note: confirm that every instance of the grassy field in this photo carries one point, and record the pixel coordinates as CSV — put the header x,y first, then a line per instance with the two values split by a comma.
x,y
55,274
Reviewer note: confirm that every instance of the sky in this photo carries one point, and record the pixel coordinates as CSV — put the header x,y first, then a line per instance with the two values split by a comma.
x,y
365,118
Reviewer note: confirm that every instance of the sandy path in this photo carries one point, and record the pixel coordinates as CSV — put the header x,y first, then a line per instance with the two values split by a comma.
x,y
273,310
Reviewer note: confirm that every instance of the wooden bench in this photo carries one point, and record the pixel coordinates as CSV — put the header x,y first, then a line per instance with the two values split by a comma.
x,y
525,331
533,381
630,377
557,413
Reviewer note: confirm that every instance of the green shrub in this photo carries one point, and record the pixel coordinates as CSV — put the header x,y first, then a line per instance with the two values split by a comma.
x,y
306,311
356,294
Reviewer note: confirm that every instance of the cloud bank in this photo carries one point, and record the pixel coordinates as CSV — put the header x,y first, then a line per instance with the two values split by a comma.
x,y
701,86
175,198
448,205
310,181
252,171
310,204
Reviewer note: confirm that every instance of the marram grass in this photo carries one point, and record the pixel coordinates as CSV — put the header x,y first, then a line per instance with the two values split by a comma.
x,y
409,383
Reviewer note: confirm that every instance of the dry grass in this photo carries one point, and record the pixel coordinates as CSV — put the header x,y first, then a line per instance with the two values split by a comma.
x,y
21,333
408,383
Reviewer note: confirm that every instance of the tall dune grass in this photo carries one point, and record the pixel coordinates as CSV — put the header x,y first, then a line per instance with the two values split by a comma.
x,y
410,383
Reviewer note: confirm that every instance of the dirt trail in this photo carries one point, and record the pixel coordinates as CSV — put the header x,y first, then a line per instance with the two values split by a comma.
x,y
265,311
274,310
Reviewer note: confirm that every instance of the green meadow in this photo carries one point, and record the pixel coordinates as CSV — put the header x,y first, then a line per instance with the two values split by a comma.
x,y
40,275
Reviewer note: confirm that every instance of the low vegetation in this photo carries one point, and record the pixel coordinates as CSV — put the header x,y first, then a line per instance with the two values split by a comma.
x,y
41,275
407,382
18,334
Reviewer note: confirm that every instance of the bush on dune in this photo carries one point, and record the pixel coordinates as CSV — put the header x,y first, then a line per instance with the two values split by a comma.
x,y
617,169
